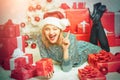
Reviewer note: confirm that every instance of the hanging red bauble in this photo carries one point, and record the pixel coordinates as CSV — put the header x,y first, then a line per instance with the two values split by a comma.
x,y
38,7
37,18
22,24
26,37
26,44
33,45
49,0
104,70
31,8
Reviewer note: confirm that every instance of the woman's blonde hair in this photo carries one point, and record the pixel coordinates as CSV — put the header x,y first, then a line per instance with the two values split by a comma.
x,y
46,41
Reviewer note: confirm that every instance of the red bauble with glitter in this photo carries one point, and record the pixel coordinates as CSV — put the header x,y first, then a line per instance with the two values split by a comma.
x,y
38,7
22,24
49,0
37,18
26,37
26,44
33,45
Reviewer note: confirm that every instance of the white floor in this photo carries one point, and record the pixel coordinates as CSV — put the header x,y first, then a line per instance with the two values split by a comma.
x,y
59,74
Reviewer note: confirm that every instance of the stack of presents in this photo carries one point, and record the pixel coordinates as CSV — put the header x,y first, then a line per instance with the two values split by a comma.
x,y
14,58
103,62
81,23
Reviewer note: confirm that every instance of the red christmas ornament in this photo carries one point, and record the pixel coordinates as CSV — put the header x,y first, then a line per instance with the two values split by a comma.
x,y
26,44
26,37
38,7
104,70
33,45
31,8
37,18
49,0
22,24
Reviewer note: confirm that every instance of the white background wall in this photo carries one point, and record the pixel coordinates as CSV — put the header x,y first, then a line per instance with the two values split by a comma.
x,y
16,9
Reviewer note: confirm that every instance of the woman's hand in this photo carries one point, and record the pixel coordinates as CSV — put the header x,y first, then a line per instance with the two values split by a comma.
x,y
65,45
66,42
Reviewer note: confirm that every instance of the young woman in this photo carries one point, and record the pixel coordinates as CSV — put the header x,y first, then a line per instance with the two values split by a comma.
x,y
63,47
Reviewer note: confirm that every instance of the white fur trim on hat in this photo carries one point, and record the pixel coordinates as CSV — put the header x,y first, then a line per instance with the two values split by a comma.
x,y
60,23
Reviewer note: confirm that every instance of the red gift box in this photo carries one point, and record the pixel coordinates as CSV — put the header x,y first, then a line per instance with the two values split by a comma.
x,y
104,61
44,67
24,73
18,62
7,45
81,5
84,37
83,28
111,39
9,29
76,16
90,73
108,21
14,63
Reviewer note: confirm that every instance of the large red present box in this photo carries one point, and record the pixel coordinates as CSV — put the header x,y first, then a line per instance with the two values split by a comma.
x,y
84,37
108,21
7,45
104,61
90,73
44,67
9,29
76,16
26,72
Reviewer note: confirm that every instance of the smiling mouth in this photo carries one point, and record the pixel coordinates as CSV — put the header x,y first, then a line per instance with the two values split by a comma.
x,y
52,37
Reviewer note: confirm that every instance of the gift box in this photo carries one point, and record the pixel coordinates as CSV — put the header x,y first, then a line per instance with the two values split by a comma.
x,y
83,28
17,60
84,37
44,67
7,45
76,16
13,63
108,21
9,29
26,72
90,73
104,61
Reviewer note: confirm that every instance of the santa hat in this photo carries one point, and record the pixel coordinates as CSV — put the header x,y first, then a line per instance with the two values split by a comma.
x,y
60,23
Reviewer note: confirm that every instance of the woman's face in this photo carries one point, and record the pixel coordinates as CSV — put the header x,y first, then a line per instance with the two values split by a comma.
x,y
52,33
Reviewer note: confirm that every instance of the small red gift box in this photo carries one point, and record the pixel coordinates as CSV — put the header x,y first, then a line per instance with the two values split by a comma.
x,y
90,73
44,67
9,29
104,61
83,28
18,62
24,73
13,63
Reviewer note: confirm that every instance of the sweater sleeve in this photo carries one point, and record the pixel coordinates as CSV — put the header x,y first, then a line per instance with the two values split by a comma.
x,y
67,64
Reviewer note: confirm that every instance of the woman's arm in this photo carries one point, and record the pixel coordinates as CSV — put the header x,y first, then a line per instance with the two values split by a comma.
x,y
68,50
